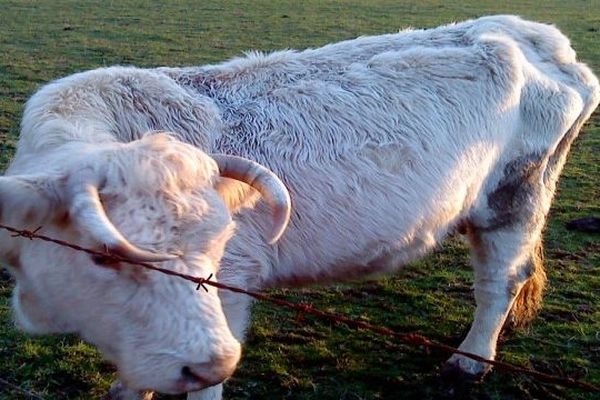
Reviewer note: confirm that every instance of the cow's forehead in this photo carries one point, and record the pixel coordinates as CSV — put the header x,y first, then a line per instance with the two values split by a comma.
x,y
161,162
151,189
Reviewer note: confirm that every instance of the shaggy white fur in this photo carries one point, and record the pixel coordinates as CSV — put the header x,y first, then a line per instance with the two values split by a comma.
x,y
387,144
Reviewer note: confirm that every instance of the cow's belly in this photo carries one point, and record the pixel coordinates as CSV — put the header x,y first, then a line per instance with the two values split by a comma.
x,y
359,217
339,252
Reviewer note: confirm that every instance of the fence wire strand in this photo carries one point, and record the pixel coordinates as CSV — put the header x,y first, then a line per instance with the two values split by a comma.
x,y
16,388
411,339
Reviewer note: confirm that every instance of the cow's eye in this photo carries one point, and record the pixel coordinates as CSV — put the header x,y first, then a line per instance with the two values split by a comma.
x,y
105,261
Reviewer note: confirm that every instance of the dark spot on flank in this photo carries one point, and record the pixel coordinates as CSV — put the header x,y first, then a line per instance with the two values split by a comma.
x,y
511,199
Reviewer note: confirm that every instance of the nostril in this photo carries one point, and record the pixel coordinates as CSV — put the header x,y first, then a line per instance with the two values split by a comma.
x,y
205,373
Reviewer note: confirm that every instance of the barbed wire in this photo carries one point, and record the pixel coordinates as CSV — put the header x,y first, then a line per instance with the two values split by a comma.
x,y
412,339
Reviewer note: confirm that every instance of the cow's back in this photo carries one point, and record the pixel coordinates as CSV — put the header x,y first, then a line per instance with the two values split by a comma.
x,y
387,142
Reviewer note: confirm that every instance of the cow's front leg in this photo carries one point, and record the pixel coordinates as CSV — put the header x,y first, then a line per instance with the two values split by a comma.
x,y
118,391
211,393
508,274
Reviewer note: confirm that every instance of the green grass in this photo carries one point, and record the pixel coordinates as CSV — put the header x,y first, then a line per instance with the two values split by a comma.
x,y
306,359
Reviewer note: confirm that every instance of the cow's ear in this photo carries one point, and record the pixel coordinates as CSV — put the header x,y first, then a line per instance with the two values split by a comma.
x,y
28,199
236,194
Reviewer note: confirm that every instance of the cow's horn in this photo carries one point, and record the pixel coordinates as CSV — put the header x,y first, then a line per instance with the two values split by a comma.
x,y
87,210
263,180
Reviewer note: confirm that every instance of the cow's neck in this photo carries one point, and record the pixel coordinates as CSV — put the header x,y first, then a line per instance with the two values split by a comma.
x,y
249,260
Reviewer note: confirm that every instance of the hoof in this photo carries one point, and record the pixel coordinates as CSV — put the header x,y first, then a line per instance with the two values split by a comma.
x,y
456,383
466,369
452,373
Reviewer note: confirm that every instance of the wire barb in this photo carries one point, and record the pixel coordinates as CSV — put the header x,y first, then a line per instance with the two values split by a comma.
x,y
201,284
303,308
26,234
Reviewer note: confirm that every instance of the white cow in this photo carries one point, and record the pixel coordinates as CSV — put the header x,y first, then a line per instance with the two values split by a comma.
x,y
386,144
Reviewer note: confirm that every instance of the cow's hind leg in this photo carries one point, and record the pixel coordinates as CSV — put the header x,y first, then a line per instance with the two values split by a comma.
x,y
529,300
505,236
507,275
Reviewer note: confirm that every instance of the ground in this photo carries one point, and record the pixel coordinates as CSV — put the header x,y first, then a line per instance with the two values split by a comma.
x,y
292,358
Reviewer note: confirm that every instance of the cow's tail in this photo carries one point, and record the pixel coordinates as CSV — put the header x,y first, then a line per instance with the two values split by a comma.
x,y
529,300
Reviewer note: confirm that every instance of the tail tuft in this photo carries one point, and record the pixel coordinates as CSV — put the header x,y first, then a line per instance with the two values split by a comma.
x,y
529,300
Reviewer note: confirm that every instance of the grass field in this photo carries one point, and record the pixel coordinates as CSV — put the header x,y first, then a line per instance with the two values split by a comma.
x,y
287,358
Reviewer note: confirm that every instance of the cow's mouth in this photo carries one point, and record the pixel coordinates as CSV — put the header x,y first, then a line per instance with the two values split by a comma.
x,y
193,379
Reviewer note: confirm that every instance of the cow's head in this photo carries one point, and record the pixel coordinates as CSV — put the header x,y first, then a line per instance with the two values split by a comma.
x,y
155,199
